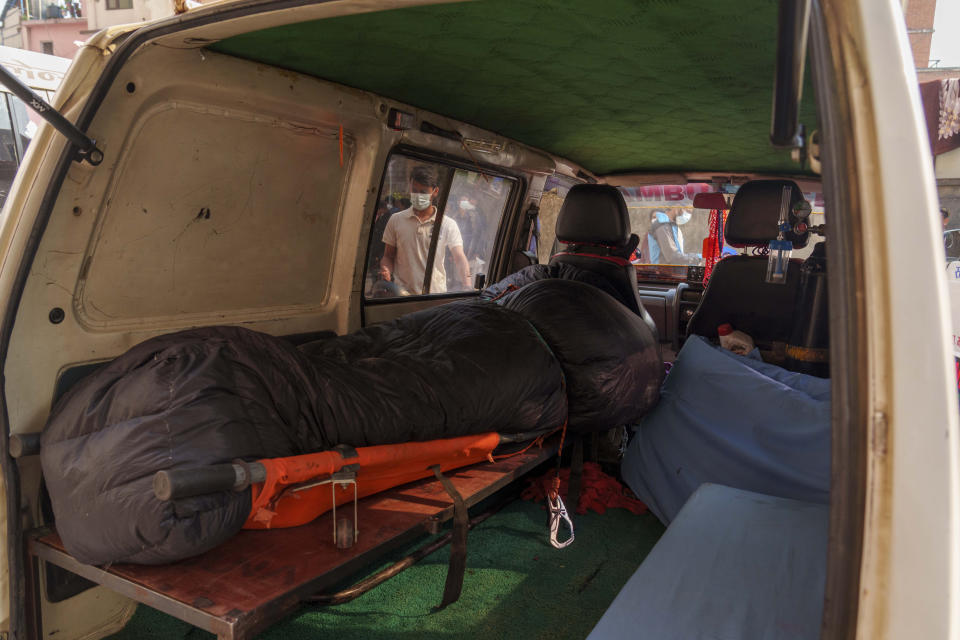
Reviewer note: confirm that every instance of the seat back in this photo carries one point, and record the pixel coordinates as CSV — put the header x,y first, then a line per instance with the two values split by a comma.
x,y
738,292
594,224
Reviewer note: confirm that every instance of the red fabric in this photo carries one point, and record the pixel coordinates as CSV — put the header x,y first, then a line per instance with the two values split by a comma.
x,y
941,108
712,245
598,491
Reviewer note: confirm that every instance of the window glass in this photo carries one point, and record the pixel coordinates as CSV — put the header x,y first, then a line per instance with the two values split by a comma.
x,y
8,149
25,123
476,203
406,241
672,230
119,4
554,193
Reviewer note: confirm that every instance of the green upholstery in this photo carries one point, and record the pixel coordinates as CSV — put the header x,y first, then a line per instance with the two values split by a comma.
x,y
615,85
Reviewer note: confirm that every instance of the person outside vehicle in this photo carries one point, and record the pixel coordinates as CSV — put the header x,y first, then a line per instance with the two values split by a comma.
x,y
665,239
407,238
951,237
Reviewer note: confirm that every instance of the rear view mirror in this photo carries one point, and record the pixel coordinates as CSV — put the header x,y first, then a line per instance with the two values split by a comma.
x,y
710,201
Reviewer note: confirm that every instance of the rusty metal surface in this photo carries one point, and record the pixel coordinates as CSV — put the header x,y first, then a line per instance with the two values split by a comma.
x,y
257,577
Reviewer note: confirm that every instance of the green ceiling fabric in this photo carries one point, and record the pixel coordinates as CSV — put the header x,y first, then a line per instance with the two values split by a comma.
x,y
614,85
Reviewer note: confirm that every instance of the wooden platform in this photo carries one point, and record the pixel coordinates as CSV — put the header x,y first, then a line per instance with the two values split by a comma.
x,y
257,577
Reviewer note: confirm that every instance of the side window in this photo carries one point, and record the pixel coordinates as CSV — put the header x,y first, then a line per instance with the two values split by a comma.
x,y
554,193
8,149
25,122
476,203
410,253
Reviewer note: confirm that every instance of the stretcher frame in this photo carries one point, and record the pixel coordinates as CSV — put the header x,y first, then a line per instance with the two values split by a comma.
x,y
256,578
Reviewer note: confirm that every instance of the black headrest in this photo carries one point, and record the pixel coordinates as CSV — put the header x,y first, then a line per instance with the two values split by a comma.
x,y
594,214
756,211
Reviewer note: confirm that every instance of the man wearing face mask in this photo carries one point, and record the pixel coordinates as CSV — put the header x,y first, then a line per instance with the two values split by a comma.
x,y
407,236
666,240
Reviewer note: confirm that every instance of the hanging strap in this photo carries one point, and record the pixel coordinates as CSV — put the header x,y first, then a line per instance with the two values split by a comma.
x,y
576,473
458,542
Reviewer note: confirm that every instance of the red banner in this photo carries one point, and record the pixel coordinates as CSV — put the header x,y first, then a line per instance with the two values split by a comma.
x,y
941,109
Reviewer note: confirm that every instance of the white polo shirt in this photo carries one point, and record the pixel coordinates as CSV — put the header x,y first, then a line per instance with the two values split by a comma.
x,y
411,237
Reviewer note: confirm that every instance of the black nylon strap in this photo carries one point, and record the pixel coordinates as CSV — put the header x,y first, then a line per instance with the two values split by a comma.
x,y
458,542
576,474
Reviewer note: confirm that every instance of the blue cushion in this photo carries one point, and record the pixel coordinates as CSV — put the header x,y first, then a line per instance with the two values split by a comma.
x,y
731,420
733,565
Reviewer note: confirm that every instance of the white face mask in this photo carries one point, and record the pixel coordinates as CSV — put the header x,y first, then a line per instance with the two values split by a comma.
x,y
466,205
420,201
684,217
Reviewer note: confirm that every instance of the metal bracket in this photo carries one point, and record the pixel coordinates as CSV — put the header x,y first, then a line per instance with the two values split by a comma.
x,y
345,477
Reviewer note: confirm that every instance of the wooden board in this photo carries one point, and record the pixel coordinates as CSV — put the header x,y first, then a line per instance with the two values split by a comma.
x,y
257,577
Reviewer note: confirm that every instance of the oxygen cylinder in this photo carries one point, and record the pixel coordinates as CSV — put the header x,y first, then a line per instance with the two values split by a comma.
x,y
809,348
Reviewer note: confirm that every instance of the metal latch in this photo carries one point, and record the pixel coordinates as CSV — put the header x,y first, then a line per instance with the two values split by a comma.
x,y
347,476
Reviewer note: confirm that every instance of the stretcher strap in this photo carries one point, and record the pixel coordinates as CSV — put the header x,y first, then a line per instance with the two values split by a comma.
x,y
458,542
576,473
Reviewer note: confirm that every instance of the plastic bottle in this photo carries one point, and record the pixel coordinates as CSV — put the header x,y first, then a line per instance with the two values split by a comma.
x,y
736,341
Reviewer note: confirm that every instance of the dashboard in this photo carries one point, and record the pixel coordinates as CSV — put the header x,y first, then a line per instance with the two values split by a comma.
x,y
671,300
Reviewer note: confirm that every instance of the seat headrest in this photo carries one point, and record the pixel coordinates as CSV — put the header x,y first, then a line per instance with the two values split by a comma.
x,y
594,214
756,211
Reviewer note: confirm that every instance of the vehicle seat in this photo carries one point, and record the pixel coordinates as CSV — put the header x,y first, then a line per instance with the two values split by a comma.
x,y
594,224
738,292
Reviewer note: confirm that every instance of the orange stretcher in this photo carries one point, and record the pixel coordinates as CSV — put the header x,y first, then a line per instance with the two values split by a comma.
x,y
298,489
239,588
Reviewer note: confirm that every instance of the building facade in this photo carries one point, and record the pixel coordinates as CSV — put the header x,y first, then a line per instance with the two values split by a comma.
x,y
58,27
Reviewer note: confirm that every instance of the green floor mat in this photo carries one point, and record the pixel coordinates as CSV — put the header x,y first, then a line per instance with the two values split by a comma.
x,y
516,586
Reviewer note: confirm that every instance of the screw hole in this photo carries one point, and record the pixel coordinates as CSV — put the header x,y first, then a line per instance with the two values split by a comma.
x,y
77,211
131,87
57,315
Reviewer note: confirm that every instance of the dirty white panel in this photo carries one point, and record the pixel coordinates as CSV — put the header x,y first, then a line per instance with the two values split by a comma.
x,y
215,210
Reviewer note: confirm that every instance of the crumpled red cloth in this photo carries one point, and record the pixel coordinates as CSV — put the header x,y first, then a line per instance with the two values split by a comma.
x,y
598,491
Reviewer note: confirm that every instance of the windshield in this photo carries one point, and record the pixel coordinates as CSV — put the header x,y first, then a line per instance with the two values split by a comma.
x,y
672,230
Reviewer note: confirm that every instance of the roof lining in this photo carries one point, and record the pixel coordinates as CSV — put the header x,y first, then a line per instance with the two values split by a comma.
x,y
615,86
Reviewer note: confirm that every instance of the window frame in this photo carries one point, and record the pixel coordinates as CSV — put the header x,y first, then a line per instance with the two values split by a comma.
x,y
115,5
518,186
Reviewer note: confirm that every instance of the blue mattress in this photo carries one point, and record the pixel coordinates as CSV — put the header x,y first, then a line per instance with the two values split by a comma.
x,y
733,565
731,420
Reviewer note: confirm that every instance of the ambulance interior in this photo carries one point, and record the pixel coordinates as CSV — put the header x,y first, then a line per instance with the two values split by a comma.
x,y
253,165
